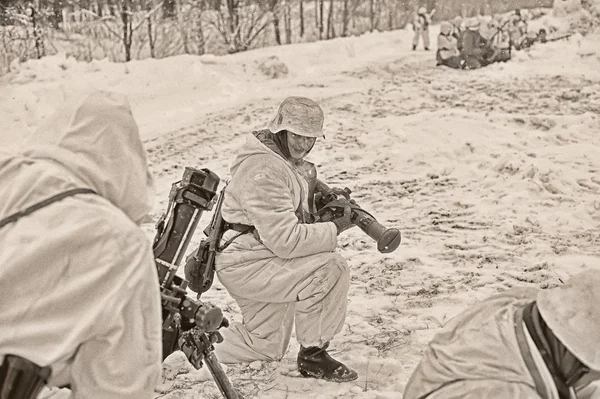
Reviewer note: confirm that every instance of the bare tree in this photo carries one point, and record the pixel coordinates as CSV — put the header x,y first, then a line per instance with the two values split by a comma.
x,y
372,14
321,19
198,7
126,18
301,18
287,21
345,19
330,27
150,33
276,30
127,26
181,24
240,22
391,13
18,40
32,13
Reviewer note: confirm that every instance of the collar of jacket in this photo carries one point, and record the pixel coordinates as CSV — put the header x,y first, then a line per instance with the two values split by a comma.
x,y
564,366
548,387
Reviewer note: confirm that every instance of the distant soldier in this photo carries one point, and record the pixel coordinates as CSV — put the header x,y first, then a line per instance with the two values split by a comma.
x,y
498,32
421,23
457,31
521,344
517,28
476,50
542,36
447,51
499,39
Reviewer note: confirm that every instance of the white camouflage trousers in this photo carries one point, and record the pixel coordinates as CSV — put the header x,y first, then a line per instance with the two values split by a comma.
x,y
272,294
424,33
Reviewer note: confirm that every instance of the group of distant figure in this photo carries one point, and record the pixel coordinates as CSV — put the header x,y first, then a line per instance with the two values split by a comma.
x,y
461,44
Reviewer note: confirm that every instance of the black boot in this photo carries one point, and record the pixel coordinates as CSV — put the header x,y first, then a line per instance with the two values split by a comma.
x,y
414,47
316,362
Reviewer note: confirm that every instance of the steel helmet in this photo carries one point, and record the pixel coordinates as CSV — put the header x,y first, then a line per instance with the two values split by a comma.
x,y
299,115
457,21
571,312
473,24
445,28
422,10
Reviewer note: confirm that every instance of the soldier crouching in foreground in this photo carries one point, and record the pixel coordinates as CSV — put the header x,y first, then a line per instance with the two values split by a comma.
x,y
521,344
279,266
78,289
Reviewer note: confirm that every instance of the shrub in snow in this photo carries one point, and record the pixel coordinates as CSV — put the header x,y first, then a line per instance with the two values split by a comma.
x,y
273,68
562,8
583,15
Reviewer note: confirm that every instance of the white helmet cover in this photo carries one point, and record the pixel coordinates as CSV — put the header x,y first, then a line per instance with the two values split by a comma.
x,y
572,312
299,115
445,28
473,24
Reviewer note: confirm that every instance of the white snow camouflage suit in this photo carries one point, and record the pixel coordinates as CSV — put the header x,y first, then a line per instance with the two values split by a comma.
x,y
287,270
487,352
78,285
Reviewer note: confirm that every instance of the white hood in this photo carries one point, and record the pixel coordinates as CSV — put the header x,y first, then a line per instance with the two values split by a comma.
x,y
92,142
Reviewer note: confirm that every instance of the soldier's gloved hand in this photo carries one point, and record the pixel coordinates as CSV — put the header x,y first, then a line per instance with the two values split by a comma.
x,y
344,222
341,192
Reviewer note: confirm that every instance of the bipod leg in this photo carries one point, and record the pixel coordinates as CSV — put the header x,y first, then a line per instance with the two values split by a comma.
x,y
211,361
220,378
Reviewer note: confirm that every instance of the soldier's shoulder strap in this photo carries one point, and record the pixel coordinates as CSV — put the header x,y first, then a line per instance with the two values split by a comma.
x,y
44,203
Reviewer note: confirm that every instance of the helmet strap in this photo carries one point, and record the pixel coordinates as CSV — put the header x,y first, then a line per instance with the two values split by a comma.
x,y
280,139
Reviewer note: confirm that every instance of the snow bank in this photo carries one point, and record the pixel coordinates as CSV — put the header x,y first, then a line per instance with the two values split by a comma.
x,y
169,93
582,16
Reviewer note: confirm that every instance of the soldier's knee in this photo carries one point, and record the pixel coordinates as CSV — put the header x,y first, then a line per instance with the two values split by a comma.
x,y
337,269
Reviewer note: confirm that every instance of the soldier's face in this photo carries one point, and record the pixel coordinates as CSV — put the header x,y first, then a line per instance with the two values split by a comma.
x,y
298,145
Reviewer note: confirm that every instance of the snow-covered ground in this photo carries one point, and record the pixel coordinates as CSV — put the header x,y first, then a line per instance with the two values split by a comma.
x,y
493,176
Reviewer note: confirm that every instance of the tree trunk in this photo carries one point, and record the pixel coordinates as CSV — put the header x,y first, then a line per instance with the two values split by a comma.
x,y
321,25
317,14
301,18
126,19
372,14
150,34
377,12
345,19
330,28
37,35
234,20
199,31
287,12
276,28
181,22
391,13
109,7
